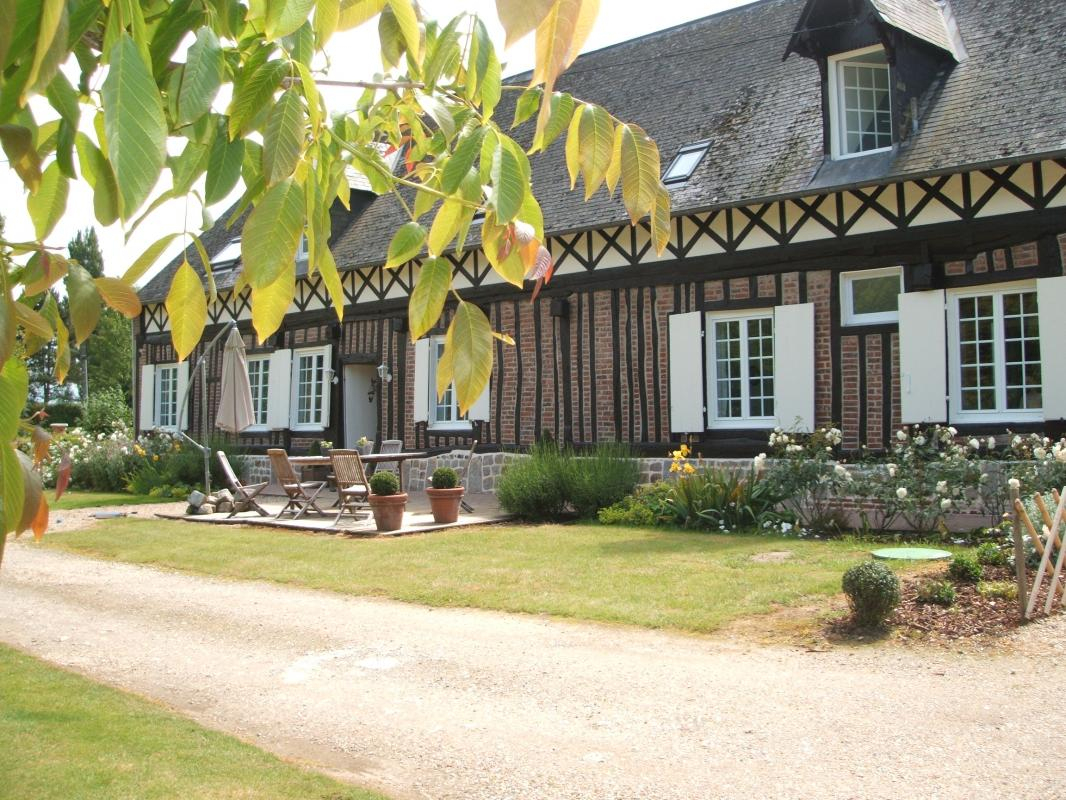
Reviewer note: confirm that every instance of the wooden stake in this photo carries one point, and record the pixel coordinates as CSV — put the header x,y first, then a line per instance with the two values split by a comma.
x,y
1058,563
1019,555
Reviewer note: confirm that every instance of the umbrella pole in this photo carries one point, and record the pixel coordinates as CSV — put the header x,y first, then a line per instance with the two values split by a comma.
x,y
201,368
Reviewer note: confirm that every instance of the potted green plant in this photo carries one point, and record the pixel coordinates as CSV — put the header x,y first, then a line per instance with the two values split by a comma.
x,y
386,500
445,494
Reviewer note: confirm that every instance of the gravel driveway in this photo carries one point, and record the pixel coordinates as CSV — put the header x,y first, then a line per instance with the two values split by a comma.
x,y
425,703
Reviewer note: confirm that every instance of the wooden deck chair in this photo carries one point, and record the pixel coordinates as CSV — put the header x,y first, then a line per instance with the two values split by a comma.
x,y
463,471
301,494
244,494
390,446
353,488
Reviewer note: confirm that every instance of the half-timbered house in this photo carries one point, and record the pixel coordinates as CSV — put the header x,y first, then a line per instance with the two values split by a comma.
x,y
869,204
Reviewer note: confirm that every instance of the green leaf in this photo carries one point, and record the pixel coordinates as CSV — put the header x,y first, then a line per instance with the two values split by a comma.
x,y
254,94
562,110
48,204
50,311
64,98
14,386
527,105
520,17
407,20
469,339
445,225
147,259
8,328
272,234
327,17
84,305
271,303
135,125
51,44
354,13
97,171
406,244
187,167
8,13
640,172
187,308
12,489
18,146
430,292
285,16
509,186
223,167
33,323
201,76
596,134
461,160
284,138
560,37
440,113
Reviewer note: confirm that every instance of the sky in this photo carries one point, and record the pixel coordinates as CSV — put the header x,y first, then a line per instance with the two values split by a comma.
x,y
354,55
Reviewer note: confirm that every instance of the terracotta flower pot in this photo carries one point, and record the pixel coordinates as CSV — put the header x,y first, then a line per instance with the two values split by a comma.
x,y
445,503
388,510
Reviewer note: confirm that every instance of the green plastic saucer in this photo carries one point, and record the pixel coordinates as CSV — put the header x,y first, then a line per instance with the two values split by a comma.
x,y
911,553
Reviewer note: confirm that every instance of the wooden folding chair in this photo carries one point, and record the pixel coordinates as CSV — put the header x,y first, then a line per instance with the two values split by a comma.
x,y
353,489
244,494
301,494
390,446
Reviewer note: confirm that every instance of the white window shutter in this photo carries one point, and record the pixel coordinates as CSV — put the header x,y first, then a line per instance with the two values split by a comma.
x,y
794,366
479,412
686,373
146,400
922,357
1051,302
327,389
278,392
421,398
183,387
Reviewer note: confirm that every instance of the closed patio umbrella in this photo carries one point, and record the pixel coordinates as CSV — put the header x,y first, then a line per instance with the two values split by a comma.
x,y
235,411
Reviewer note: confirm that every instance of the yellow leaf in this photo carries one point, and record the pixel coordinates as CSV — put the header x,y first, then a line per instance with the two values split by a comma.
x,y
271,302
354,13
32,322
503,254
120,296
445,226
640,172
430,292
146,259
187,308
407,20
560,37
468,344
660,219
573,147
614,170
597,131
519,17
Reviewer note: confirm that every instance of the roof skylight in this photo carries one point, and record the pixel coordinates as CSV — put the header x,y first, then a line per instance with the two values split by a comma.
x,y
685,162
229,254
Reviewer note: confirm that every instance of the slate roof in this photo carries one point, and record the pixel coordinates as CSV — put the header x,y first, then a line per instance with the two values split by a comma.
x,y
921,18
722,78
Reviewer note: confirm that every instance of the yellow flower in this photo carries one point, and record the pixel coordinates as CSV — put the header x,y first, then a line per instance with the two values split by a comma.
x,y
674,467
155,458
177,447
689,469
685,451
678,454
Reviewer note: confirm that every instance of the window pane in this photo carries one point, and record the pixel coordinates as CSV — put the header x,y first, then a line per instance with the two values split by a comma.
x,y
865,104
875,295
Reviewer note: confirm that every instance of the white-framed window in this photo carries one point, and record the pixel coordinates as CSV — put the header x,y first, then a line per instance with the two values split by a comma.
x,y
443,409
228,256
259,381
166,396
860,102
994,354
311,373
740,369
871,296
685,162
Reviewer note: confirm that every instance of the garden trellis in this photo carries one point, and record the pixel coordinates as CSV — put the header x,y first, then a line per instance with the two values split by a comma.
x,y
1048,544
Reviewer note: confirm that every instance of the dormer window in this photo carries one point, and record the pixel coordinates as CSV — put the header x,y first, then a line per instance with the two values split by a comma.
x,y
685,162
860,103
227,258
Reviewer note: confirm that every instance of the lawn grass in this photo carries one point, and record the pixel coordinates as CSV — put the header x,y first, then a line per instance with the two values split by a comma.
x,y
649,577
73,499
68,738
